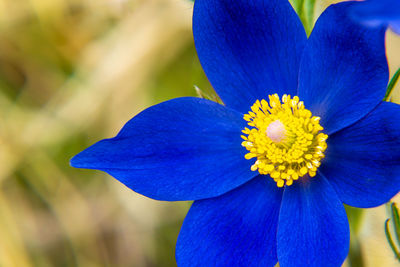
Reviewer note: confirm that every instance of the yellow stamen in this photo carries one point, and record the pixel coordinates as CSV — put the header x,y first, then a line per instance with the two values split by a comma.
x,y
284,138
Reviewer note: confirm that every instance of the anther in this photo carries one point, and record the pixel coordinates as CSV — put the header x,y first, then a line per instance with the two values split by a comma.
x,y
284,139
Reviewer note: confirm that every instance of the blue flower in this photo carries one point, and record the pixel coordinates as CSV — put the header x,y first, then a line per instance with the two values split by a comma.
x,y
377,12
303,131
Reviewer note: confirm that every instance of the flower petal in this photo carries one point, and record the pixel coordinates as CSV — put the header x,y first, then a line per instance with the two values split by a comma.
x,y
375,13
313,228
235,229
343,71
182,149
395,26
248,48
363,161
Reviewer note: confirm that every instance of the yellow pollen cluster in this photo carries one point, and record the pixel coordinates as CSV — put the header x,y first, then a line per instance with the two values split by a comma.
x,y
285,138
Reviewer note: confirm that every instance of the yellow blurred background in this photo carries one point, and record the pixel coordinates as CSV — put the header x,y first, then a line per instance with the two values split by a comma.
x,y
73,72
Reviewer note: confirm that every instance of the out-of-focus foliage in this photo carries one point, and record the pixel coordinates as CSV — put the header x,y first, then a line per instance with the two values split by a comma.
x,y
73,72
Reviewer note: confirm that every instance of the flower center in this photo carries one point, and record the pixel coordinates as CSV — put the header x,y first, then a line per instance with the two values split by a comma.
x,y
285,138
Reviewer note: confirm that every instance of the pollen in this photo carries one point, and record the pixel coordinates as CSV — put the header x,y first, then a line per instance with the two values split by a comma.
x,y
284,138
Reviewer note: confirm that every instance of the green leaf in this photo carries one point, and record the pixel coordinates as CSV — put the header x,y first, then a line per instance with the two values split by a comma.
x,y
391,85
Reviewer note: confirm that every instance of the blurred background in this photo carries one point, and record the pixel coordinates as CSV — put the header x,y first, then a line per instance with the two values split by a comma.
x,y
73,72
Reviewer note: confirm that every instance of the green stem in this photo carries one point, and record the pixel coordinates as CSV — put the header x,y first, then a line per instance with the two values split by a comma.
x,y
391,85
355,256
396,221
390,240
355,216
